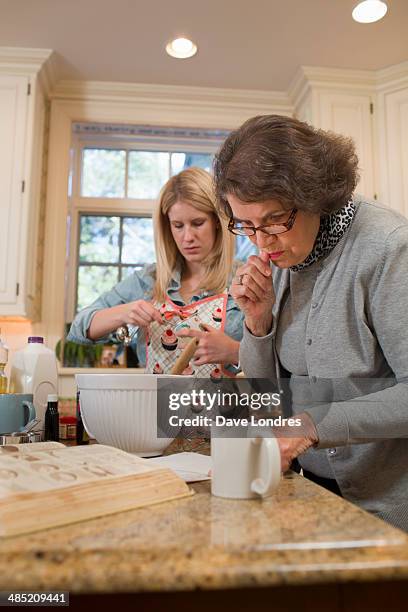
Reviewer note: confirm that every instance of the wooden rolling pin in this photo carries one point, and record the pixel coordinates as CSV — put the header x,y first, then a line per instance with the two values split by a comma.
x,y
183,359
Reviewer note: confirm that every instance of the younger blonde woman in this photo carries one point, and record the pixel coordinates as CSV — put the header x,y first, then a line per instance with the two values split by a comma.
x,y
183,294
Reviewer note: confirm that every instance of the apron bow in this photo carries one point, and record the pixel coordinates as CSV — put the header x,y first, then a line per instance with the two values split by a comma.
x,y
182,313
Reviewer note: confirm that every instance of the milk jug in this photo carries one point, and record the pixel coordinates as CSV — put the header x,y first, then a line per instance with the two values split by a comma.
x,y
34,370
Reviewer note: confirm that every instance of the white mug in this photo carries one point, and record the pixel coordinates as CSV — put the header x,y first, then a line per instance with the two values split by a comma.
x,y
244,468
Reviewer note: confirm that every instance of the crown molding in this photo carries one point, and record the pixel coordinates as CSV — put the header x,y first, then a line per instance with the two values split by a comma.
x,y
31,63
23,60
368,81
393,77
340,77
298,87
48,74
317,77
144,93
43,63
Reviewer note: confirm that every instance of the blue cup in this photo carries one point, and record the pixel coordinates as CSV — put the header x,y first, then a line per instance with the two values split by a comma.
x,y
16,410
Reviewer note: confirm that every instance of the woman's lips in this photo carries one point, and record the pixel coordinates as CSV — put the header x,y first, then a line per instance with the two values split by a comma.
x,y
275,255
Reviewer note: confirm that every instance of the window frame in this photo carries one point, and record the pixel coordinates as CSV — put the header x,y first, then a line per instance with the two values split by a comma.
x,y
87,205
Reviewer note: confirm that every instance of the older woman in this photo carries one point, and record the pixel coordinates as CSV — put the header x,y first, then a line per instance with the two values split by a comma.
x,y
325,304
184,293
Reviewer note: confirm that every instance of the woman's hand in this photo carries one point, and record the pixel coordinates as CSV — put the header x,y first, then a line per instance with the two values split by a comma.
x,y
141,313
290,446
107,320
252,290
214,345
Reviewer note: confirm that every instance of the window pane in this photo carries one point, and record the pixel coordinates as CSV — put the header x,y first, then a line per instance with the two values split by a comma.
x,y
244,248
99,239
138,247
94,280
148,171
181,161
128,270
103,173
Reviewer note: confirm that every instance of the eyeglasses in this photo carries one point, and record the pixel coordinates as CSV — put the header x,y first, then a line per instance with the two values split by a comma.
x,y
239,229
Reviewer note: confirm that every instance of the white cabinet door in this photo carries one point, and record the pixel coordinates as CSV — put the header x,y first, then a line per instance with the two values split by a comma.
x,y
13,125
350,114
394,157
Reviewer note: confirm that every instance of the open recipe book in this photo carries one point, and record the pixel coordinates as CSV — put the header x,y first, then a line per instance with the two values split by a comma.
x,y
51,485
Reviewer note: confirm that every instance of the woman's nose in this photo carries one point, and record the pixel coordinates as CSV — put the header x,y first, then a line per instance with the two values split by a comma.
x,y
188,233
263,240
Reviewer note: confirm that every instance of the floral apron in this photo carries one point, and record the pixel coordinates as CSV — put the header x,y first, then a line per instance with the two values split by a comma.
x,y
163,347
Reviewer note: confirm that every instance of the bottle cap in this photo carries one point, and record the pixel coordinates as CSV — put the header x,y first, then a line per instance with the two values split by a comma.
x,y
35,339
52,398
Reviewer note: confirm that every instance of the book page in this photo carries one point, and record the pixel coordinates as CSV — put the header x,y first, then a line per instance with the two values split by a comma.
x,y
191,467
56,467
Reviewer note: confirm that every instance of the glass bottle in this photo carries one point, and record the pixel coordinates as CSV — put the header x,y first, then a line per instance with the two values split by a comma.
x,y
51,432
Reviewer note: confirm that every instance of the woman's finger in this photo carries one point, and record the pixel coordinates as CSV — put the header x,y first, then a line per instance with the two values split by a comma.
x,y
139,317
261,292
207,328
263,266
150,310
251,276
200,360
201,350
260,279
245,293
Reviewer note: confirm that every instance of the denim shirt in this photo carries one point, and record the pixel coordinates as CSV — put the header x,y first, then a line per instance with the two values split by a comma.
x,y
138,286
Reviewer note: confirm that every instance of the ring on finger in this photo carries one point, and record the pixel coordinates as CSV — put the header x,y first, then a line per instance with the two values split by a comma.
x,y
240,279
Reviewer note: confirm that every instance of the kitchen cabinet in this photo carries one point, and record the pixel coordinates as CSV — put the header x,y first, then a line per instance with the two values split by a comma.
x,y
350,115
393,145
22,122
372,108
347,113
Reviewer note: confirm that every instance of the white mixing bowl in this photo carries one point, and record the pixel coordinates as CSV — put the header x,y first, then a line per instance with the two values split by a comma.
x,y
120,410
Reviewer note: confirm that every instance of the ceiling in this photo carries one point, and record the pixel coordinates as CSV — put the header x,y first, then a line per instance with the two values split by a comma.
x,y
243,44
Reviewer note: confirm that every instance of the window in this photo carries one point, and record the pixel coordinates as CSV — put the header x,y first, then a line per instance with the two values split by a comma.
x,y
116,176
113,173
110,248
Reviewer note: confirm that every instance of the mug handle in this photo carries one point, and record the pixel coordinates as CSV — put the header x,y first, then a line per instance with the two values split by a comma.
x,y
31,411
265,487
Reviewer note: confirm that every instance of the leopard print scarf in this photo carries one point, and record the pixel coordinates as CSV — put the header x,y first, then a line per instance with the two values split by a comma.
x,y
332,229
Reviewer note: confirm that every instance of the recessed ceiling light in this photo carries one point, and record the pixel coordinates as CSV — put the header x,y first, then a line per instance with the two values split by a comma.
x,y
369,11
181,48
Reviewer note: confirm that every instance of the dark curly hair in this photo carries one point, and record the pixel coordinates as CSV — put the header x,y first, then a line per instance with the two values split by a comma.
x,y
272,157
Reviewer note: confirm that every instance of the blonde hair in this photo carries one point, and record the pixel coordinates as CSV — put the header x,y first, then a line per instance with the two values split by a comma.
x,y
192,186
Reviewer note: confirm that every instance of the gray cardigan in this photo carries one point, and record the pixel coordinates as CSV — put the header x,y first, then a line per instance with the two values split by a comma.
x,y
356,353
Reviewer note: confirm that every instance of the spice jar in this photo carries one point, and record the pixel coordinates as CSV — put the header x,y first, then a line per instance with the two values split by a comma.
x,y
67,428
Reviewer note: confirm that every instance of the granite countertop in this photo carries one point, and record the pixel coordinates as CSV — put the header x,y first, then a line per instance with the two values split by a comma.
x,y
301,535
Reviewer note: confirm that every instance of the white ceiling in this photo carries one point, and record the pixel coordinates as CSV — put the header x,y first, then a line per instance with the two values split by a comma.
x,y
243,44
